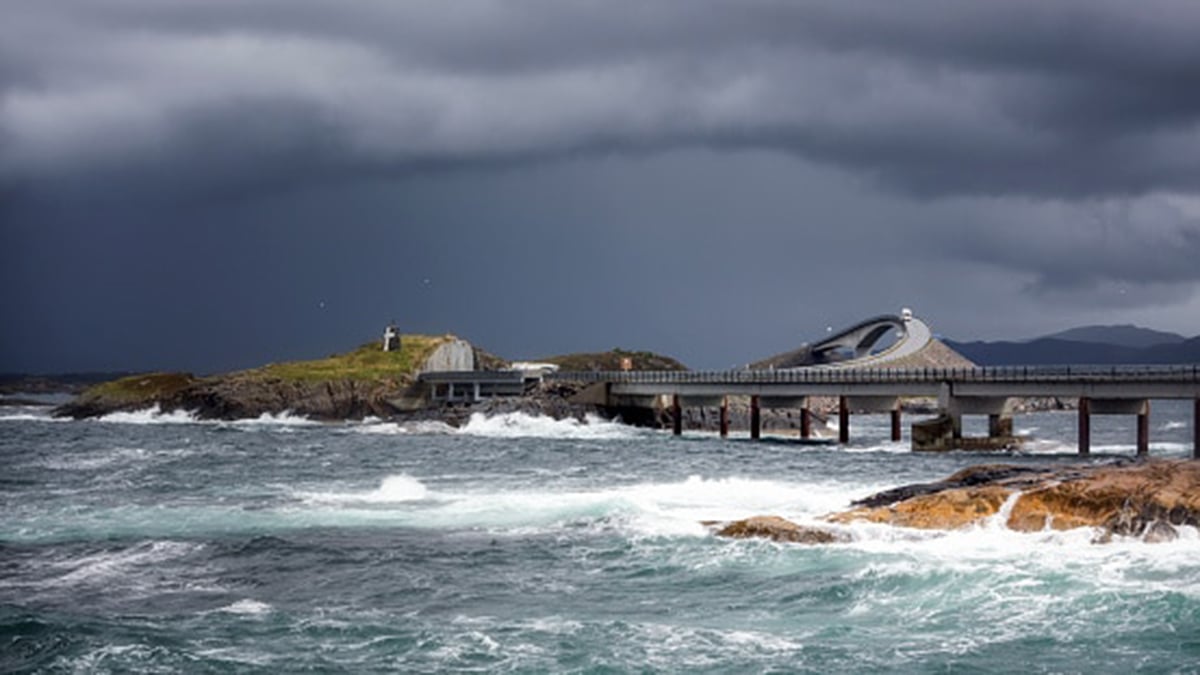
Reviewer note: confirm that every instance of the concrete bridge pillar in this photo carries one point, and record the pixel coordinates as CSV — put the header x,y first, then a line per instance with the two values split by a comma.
x,y
895,425
676,416
1143,431
806,420
1085,426
1126,406
843,420
1196,429
725,417
1000,425
755,418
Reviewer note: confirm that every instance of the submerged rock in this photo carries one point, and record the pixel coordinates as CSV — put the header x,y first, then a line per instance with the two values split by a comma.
x,y
1130,499
778,529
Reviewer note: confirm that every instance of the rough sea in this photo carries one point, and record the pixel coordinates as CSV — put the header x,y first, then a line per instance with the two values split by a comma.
x,y
155,543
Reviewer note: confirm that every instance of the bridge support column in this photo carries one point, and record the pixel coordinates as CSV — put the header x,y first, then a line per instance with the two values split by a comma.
x,y
450,392
895,425
1196,429
1000,426
1143,431
843,420
676,416
1085,426
755,419
806,420
476,393
725,417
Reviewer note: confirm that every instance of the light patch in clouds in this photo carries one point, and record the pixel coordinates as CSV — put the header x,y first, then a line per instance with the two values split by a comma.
x,y
933,97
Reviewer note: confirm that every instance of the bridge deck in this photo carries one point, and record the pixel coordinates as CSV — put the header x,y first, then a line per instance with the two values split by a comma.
x,y
1068,381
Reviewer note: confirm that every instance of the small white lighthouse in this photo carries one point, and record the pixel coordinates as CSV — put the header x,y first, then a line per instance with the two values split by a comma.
x,y
391,339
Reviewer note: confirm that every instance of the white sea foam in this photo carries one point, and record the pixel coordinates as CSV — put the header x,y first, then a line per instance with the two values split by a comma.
x,y
507,425
283,419
657,509
96,460
894,447
31,417
106,566
153,415
521,425
422,428
1169,426
246,607
393,489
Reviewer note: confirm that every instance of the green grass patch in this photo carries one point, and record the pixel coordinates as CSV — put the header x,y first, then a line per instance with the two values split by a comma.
x,y
147,386
368,362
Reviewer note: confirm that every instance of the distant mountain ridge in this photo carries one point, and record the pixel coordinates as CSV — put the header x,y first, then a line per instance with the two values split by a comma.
x,y
1125,335
1087,345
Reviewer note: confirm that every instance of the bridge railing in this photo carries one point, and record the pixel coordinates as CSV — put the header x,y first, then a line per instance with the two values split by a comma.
x,y
819,375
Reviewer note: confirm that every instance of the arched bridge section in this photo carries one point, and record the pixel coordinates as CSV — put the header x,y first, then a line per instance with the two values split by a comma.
x,y
859,340
855,347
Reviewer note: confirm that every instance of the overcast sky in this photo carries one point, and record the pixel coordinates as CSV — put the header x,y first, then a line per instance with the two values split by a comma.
x,y
211,184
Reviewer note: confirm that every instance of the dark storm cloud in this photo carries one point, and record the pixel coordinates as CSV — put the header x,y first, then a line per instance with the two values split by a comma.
x,y
1118,252
936,97
635,168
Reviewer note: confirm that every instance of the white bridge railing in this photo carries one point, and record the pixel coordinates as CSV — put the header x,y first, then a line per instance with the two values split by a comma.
x,y
999,374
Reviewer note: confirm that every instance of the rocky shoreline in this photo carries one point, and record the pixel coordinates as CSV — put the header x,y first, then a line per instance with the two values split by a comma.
x,y
1145,499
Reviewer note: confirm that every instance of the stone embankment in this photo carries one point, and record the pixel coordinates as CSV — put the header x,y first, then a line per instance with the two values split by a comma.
x,y
1146,499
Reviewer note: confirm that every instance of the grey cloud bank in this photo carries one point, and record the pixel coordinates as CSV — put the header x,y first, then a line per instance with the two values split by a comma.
x,y
647,170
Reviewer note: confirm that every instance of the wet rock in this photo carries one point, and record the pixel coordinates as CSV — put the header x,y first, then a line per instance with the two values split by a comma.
x,y
778,529
1125,498
977,475
942,510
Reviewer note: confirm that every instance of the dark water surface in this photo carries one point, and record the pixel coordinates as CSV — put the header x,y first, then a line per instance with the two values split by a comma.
x,y
146,543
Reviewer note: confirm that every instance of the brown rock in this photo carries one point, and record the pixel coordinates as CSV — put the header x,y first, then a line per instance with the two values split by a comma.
x,y
1132,499
778,529
946,510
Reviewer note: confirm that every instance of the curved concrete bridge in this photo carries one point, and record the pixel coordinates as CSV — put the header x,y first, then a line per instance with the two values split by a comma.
x,y
913,336
854,347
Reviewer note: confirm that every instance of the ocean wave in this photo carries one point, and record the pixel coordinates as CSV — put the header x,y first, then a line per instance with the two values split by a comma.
x,y
105,566
152,415
247,607
155,415
393,489
422,428
32,417
521,425
507,425
282,419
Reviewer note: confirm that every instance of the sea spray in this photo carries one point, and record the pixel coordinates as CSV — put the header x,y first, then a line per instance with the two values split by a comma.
x,y
240,548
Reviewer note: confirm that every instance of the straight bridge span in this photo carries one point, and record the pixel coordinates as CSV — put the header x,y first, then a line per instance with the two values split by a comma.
x,y
959,391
